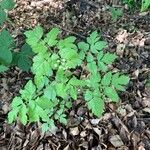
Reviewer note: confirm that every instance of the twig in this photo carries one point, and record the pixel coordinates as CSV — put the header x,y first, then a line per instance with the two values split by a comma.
x,y
79,35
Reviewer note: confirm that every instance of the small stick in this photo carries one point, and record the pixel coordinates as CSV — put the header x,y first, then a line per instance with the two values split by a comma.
x,y
79,35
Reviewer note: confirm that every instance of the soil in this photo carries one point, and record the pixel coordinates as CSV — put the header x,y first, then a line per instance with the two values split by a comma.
x,y
124,126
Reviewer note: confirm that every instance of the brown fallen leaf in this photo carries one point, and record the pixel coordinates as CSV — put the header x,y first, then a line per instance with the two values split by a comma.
x,y
116,141
74,131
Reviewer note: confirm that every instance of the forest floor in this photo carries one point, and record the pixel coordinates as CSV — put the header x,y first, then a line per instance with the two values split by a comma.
x,y
124,126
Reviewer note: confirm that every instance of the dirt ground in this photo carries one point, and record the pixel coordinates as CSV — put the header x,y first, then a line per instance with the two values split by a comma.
x,y
124,126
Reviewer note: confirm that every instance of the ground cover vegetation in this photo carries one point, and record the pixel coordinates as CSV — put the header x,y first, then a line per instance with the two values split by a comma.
x,y
55,86
60,74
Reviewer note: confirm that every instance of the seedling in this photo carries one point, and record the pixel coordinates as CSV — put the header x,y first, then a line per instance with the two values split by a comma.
x,y
55,86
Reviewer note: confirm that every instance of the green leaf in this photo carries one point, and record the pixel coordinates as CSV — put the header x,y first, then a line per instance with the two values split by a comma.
x,y
25,57
45,127
106,80
111,93
40,81
88,95
145,5
81,56
90,57
55,62
33,36
102,66
73,92
6,42
83,46
116,13
95,44
67,43
97,106
29,91
3,16
123,80
51,37
95,78
50,92
108,58
23,114
33,112
12,115
76,82
61,76
120,81
7,4
63,119
40,47
97,93
3,68
100,55
93,38
71,56
44,102
61,90
92,67
42,65
5,56
98,46
16,102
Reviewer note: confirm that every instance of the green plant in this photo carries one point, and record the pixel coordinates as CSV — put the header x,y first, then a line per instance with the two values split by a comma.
x,y
6,41
23,58
115,13
6,44
55,86
5,5
144,4
131,3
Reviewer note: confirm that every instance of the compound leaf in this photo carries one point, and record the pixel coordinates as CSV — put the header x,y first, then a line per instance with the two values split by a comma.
x,y
88,95
92,67
23,114
42,65
97,106
40,47
111,93
44,102
16,102
73,92
83,46
108,58
61,90
33,112
102,67
120,81
51,37
106,80
33,36
40,81
28,92
50,92
12,115
67,43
